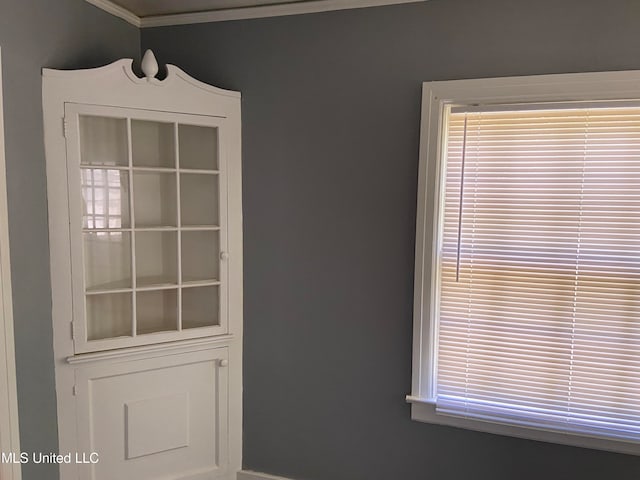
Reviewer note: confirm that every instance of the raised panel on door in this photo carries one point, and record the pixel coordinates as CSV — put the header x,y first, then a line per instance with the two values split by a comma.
x,y
156,418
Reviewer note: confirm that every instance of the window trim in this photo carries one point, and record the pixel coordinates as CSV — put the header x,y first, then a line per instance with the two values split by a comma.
x,y
557,88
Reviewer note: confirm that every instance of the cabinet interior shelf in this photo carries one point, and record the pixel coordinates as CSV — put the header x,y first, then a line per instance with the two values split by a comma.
x,y
189,171
152,287
149,287
200,283
196,228
105,291
198,171
185,228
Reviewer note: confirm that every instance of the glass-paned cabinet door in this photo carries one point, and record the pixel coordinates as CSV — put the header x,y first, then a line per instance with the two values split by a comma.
x,y
148,210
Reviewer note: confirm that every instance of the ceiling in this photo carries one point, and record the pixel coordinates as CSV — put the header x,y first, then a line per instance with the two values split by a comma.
x,y
152,13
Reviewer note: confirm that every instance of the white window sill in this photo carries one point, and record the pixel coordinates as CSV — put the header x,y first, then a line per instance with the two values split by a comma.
x,y
424,410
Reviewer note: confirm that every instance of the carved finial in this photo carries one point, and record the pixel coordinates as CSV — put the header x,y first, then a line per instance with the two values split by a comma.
x,y
149,65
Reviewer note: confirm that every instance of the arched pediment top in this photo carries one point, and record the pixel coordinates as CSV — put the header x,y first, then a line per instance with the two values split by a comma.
x,y
123,65
120,74
177,74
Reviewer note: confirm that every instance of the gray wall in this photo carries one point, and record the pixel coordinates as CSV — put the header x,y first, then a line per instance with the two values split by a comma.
x,y
36,34
330,136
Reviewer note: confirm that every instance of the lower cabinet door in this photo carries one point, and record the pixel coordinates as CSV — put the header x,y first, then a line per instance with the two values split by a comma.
x,y
156,418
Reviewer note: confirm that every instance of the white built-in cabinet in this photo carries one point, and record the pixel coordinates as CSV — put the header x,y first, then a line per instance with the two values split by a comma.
x,y
144,190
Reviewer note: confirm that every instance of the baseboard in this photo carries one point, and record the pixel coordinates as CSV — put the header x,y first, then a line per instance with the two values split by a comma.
x,y
249,475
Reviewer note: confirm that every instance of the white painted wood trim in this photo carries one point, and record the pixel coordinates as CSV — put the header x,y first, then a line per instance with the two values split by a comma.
x,y
162,348
249,475
9,437
264,11
173,71
424,410
117,10
174,75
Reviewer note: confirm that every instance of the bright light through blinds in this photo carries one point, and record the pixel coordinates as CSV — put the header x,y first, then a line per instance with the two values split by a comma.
x,y
539,297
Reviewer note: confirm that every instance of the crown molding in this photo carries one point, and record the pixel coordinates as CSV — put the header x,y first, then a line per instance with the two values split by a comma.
x,y
296,8
118,11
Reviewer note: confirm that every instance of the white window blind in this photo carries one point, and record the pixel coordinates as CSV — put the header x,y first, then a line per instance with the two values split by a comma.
x,y
538,310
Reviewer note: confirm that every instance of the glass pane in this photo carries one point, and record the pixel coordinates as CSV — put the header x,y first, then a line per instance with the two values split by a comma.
x,y
105,195
198,147
156,258
155,201
200,256
200,307
199,199
107,260
109,315
152,144
156,311
103,141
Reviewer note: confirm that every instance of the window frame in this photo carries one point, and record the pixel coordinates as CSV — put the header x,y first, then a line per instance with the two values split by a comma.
x,y
436,96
